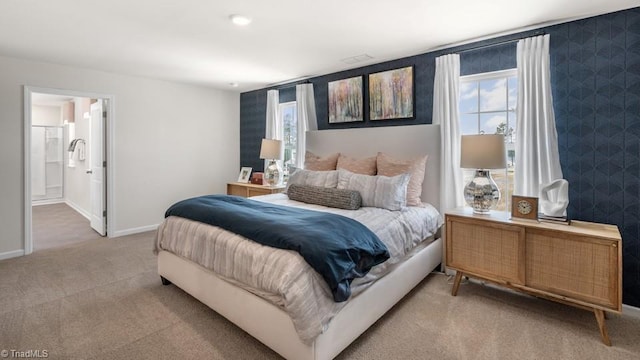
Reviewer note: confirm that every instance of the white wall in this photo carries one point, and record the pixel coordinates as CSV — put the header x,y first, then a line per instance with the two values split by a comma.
x,y
76,179
172,141
46,115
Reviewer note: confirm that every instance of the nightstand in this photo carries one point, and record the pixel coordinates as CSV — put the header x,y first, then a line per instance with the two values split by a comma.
x,y
578,264
249,190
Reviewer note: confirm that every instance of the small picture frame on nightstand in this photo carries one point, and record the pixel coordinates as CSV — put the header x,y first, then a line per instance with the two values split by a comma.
x,y
245,174
524,207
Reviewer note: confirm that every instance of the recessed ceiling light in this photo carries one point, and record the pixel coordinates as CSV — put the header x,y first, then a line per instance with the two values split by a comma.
x,y
233,84
240,20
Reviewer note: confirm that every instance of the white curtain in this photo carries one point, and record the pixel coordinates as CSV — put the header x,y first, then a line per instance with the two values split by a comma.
x,y
274,129
537,158
307,121
445,113
274,125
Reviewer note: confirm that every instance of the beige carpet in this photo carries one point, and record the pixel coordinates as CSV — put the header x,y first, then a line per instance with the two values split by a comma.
x,y
103,300
58,225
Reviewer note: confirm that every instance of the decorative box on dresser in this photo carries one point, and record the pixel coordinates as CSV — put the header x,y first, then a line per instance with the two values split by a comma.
x,y
249,190
578,264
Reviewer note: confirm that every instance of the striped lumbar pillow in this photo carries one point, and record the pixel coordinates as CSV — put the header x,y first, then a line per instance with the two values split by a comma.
x,y
331,197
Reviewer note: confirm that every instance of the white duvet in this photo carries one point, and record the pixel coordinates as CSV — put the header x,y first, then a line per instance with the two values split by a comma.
x,y
282,276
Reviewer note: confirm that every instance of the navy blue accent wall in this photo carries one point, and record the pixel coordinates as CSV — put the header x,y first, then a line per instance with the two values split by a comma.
x,y
493,58
595,75
287,94
253,114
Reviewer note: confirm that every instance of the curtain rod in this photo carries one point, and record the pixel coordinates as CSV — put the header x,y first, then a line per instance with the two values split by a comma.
x,y
478,47
290,85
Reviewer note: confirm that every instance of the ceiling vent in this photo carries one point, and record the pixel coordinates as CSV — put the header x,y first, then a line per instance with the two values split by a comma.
x,y
356,59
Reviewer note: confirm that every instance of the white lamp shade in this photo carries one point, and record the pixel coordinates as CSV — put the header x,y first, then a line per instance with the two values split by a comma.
x,y
272,149
483,152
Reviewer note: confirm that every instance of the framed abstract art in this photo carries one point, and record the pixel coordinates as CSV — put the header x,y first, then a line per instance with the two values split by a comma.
x,y
346,100
391,94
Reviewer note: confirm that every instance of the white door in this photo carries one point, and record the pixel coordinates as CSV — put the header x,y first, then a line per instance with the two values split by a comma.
x,y
97,168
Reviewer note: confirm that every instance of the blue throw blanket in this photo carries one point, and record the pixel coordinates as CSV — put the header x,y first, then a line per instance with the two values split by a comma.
x,y
338,248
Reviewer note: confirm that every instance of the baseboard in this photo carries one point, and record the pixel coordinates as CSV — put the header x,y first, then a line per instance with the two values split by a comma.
x,y
17,253
11,254
631,311
133,231
47,202
78,209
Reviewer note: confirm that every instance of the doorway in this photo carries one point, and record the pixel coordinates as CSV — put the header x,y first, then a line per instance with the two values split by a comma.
x,y
67,148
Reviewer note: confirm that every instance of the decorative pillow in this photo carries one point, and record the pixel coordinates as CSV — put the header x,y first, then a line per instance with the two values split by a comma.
x,y
366,166
389,166
317,163
378,191
331,197
328,179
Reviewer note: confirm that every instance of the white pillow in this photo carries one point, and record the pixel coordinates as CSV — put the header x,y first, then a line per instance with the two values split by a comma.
x,y
389,166
315,178
378,191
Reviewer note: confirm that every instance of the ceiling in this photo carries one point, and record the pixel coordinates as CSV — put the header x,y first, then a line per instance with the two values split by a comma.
x,y
193,41
49,100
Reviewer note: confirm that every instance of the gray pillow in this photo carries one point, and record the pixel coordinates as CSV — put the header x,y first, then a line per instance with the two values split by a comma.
x,y
378,191
331,197
316,178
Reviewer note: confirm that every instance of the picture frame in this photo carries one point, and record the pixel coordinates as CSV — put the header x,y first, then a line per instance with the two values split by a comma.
x,y
392,94
524,207
346,100
245,175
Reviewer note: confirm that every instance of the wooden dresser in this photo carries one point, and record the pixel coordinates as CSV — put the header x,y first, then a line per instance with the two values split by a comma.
x,y
578,264
249,190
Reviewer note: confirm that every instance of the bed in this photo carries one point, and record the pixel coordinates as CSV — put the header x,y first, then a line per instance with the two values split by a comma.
x,y
264,318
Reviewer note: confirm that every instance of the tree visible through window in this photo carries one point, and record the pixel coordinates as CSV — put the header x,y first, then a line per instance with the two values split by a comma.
x,y
488,106
289,118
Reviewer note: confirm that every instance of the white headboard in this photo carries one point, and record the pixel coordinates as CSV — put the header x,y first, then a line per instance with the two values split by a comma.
x,y
403,142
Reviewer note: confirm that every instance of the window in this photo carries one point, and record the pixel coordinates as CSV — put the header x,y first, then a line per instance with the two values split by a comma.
x,y
488,106
289,118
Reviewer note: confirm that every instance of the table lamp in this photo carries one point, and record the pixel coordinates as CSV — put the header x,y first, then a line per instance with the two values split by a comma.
x,y
482,152
272,150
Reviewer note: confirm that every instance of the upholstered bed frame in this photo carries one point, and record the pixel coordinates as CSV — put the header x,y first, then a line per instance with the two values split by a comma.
x,y
270,324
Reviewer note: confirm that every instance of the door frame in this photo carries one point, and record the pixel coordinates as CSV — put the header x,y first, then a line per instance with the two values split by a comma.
x,y
109,134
